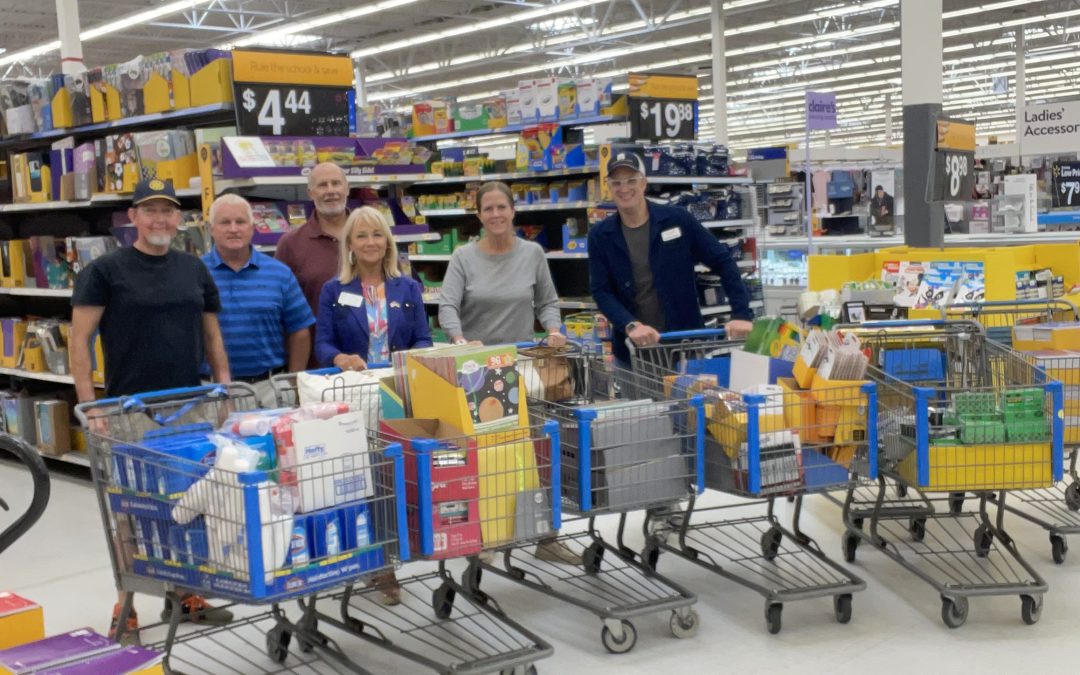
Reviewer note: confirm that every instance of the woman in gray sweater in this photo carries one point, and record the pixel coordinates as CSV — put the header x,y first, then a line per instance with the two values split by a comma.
x,y
492,291
495,287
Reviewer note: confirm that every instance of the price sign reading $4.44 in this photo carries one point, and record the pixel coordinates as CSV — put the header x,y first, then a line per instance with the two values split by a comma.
x,y
275,110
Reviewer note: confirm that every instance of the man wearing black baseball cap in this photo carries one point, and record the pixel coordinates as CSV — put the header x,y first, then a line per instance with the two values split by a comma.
x,y
641,264
156,310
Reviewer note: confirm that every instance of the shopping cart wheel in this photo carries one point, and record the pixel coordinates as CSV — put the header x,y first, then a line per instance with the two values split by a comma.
x,y
470,579
918,528
773,610
616,646
277,644
526,670
1072,496
770,542
1030,609
592,557
983,540
954,612
842,607
307,647
851,544
442,600
857,522
1058,548
684,626
956,503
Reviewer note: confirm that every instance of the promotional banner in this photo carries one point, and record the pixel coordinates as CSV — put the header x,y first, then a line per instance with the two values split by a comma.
x,y
820,110
1049,129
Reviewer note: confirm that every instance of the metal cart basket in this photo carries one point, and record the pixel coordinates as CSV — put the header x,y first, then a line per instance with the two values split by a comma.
x,y
617,455
441,623
957,414
180,519
761,448
1055,509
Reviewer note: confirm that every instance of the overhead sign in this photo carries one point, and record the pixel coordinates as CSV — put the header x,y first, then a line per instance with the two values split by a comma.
x,y
659,85
1049,129
293,93
1065,184
820,110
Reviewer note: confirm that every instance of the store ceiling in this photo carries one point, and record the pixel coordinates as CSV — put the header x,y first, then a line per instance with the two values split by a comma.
x,y
464,48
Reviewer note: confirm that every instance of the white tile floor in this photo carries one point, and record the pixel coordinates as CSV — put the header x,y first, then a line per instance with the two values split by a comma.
x,y
63,564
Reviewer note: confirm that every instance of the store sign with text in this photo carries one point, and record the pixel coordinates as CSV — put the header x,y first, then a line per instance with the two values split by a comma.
x,y
1049,129
820,110
293,93
952,175
663,107
1065,184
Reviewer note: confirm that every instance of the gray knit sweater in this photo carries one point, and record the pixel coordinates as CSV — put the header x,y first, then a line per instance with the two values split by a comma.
x,y
493,298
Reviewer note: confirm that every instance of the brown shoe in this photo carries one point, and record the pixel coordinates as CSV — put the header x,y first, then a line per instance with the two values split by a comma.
x,y
388,590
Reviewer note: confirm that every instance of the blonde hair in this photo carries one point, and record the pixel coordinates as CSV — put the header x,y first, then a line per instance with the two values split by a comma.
x,y
230,200
367,215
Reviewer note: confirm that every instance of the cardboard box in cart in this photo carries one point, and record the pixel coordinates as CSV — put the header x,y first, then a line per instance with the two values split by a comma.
x,y
21,620
328,461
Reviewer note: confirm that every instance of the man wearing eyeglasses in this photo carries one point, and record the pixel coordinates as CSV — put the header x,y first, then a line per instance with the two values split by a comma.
x,y
641,265
156,309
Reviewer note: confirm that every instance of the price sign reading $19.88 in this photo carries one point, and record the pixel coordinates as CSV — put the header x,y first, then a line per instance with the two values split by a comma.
x,y
660,119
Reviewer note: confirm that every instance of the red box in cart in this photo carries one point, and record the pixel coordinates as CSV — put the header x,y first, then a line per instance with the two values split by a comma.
x,y
455,529
454,470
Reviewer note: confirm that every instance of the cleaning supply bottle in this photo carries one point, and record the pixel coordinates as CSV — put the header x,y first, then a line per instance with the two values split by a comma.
x,y
333,541
298,549
363,538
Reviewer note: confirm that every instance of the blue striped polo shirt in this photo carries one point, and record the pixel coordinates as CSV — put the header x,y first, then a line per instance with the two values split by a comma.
x,y
260,305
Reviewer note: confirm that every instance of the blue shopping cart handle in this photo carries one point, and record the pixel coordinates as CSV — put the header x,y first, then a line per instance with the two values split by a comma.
x,y
701,333
137,399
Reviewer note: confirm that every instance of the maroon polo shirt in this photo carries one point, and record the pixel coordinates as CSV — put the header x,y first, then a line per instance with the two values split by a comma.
x,y
312,255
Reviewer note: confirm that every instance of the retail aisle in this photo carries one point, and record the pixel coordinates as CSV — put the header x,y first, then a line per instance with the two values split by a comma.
x,y
64,565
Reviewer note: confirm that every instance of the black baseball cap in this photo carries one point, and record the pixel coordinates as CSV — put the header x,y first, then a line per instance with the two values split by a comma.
x,y
627,159
155,188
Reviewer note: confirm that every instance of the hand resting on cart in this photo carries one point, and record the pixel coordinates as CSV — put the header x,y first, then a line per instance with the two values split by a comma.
x,y
349,362
737,329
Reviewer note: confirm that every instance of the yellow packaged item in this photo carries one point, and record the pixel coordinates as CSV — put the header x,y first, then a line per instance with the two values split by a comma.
x,y
507,467
21,621
799,411
838,392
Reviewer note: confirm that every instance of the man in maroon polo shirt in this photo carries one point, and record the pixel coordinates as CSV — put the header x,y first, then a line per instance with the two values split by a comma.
x,y
311,251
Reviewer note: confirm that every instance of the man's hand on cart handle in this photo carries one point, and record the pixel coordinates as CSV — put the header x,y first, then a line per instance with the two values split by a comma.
x,y
737,329
97,424
350,362
642,335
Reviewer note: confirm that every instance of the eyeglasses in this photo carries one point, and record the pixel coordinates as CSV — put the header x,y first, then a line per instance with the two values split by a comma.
x,y
616,183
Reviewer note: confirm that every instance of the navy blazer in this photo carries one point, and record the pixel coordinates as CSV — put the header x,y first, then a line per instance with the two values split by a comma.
x,y
341,329
672,258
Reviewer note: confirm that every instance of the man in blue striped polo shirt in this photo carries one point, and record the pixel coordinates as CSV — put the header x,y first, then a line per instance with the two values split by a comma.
x,y
264,316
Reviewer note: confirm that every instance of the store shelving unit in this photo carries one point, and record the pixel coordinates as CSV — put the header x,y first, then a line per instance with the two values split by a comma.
x,y
520,208
104,200
372,180
511,176
518,128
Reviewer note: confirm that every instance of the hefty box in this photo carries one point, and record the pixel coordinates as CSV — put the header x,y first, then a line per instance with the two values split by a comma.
x,y
454,474
327,460
21,621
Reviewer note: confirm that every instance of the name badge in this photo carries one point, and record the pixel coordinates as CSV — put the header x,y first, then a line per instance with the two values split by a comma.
x,y
350,299
673,233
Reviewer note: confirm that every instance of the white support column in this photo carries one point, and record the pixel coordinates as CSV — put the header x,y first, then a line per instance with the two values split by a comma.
x,y
719,74
921,49
360,83
1021,90
67,24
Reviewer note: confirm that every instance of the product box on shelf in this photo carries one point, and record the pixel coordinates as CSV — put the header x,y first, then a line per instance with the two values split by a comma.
x,y
526,96
167,85
252,156
53,421
513,107
469,116
574,237
168,155
495,109
212,83
568,100
16,264
542,148
21,620
546,94
15,102
12,333
40,91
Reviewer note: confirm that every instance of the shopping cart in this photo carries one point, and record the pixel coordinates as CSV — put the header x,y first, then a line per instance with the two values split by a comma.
x,y
178,520
760,449
39,498
441,623
958,414
1055,509
617,456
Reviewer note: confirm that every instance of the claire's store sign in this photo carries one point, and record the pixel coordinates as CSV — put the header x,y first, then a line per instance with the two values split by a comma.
x,y
820,110
1049,129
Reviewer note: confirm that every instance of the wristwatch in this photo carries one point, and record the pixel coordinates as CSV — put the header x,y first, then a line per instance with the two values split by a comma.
x,y
630,327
